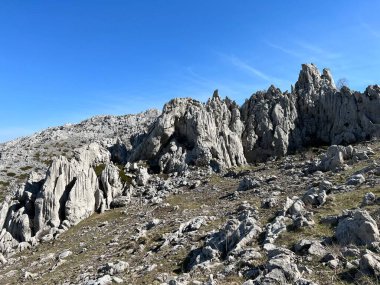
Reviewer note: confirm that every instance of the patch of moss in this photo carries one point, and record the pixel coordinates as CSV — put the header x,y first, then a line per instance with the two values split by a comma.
x,y
22,176
125,178
4,183
99,169
48,162
37,156
25,168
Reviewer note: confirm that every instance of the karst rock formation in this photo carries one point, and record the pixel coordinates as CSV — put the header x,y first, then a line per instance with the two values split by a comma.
x,y
217,134
221,134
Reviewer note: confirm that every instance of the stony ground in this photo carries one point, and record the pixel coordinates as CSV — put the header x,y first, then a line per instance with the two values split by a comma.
x,y
138,234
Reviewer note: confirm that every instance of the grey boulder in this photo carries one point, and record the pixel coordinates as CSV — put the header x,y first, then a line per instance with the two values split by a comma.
x,y
358,228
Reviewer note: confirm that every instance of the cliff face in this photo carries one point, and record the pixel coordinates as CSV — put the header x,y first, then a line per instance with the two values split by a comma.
x,y
220,134
333,116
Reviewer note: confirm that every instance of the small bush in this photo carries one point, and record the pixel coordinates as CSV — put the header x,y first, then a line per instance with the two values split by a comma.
x,y
23,176
99,169
4,183
25,168
48,162
125,178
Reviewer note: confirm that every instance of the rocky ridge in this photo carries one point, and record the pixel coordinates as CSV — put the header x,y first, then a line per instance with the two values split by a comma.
x,y
35,153
182,148
269,124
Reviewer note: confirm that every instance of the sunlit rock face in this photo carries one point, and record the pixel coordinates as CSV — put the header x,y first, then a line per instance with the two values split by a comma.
x,y
190,132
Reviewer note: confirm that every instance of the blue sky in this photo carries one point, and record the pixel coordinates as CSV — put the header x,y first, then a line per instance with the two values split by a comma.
x,y
64,61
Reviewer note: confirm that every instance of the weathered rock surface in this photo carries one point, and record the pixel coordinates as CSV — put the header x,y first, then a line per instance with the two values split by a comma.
x,y
357,227
312,247
232,238
111,186
269,124
117,134
187,141
370,264
280,269
369,199
269,119
356,179
189,132
248,183
334,157
69,193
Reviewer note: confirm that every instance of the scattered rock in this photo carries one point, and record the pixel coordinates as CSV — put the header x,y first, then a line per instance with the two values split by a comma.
x,y
315,197
120,202
369,199
268,203
103,280
280,269
64,254
312,247
234,235
357,227
356,179
370,264
248,183
113,268
142,176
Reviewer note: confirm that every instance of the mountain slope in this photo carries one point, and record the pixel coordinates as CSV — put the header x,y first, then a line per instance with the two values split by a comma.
x,y
35,153
209,193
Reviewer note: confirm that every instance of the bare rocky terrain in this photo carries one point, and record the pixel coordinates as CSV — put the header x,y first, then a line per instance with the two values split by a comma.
x,y
281,190
35,153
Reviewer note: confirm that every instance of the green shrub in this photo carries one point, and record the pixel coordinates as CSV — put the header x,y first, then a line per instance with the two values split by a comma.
x,y
25,168
124,178
23,176
4,183
99,169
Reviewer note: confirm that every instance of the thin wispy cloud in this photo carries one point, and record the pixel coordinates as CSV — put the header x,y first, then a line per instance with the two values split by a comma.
x,y
317,50
310,47
304,50
284,50
373,32
244,66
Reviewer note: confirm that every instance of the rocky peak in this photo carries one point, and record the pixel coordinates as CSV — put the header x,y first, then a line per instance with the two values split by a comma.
x,y
373,92
309,78
327,76
189,132
216,94
270,123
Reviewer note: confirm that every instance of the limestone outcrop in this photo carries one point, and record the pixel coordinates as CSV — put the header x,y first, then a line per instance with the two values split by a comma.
x,y
191,138
357,227
192,133
70,192
110,185
114,134
269,124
